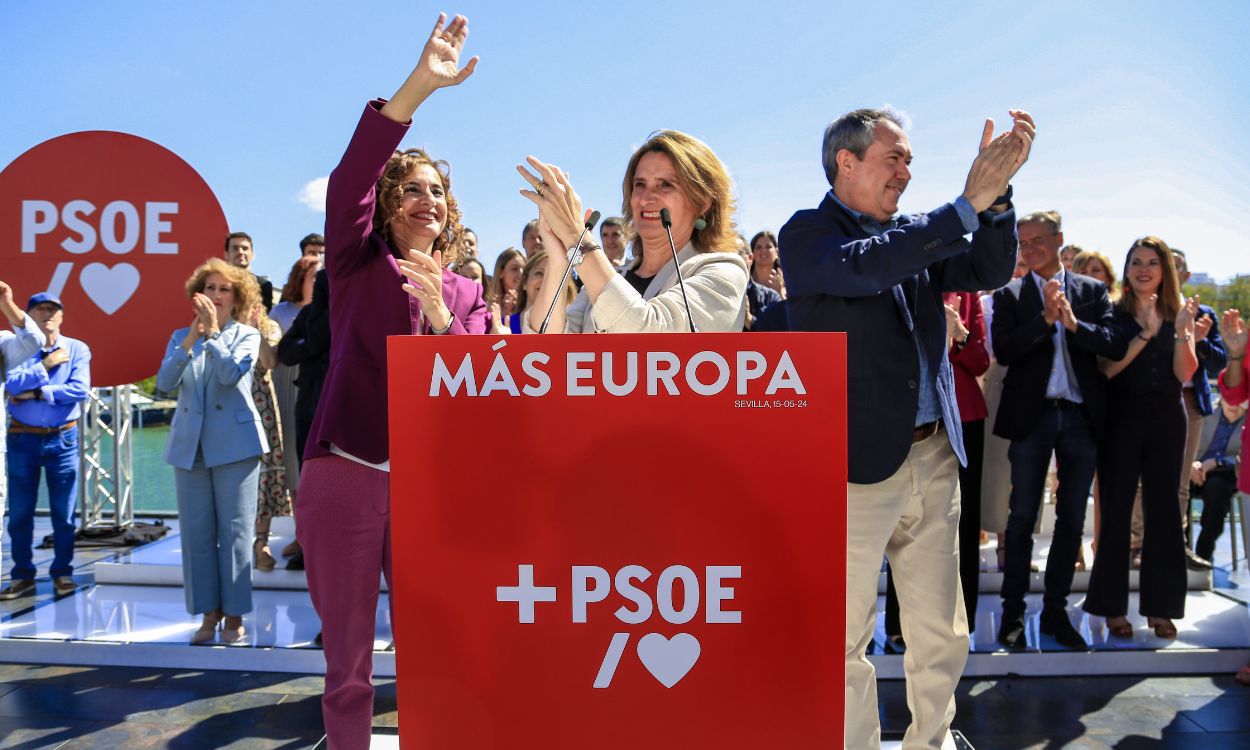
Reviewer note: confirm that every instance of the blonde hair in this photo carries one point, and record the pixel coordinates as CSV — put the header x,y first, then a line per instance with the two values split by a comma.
x,y
531,265
703,179
1170,299
246,290
1081,263
390,190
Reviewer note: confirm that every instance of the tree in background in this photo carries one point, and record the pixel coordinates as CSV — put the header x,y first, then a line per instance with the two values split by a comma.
x,y
1235,293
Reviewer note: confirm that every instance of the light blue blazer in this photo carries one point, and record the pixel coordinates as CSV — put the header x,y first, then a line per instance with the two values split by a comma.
x,y
215,411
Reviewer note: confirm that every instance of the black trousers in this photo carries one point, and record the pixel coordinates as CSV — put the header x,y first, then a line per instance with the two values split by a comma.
x,y
1146,440
969,533
1217,495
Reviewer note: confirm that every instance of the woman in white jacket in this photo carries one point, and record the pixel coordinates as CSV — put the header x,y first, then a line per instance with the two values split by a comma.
x,y
672,171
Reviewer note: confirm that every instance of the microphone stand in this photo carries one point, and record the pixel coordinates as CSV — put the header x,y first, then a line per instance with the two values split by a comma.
x,y
667,220
574,254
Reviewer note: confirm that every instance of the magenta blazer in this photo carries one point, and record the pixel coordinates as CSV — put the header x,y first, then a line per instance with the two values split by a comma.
x,y
367,303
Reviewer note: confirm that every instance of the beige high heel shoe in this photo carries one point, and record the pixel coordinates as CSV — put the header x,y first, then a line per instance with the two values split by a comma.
x,y
264,559
232,630
208,628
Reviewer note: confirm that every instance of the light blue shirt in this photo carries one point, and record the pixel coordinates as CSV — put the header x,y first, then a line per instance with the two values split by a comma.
x,y
60,392
1062,382
929,407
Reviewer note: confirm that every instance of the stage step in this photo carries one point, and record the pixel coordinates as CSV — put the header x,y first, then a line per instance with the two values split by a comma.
x,y
112,625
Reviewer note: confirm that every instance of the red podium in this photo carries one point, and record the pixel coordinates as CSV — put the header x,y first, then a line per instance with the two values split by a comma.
x,y
630,541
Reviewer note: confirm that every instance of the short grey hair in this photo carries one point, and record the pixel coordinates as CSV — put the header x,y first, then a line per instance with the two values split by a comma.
x,y
855,132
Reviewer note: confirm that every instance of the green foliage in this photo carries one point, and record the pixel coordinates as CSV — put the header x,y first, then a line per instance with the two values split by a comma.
x,y
1235,293
147,386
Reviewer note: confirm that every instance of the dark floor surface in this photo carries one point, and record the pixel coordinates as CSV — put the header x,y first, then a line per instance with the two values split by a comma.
x,y
88,707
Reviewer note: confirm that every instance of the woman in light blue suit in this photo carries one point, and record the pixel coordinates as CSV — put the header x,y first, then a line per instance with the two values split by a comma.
x,y
215,444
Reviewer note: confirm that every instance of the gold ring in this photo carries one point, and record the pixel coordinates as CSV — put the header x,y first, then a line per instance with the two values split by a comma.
x,y
539,188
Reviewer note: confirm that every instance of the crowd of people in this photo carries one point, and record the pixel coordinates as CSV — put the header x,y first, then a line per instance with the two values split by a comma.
x,y
984,351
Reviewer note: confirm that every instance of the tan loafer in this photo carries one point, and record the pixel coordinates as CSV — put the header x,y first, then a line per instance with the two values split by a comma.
x,y
64,585
17,589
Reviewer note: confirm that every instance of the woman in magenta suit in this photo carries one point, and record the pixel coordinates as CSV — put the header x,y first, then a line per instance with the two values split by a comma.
x,y
392,229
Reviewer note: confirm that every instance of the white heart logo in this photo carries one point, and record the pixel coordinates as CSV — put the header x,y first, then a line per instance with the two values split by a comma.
x,y
668,659
109,288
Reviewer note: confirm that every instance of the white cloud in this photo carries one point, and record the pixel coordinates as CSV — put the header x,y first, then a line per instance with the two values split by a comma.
x,y
313,194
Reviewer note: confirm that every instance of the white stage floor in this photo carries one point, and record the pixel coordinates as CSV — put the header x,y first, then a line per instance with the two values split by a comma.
x,y
137,602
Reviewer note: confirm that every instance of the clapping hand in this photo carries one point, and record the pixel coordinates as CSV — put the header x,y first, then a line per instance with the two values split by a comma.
x,y
1066,316
1202,326
425,283
1234,333
205,314
1052,294
1148,316
1022,128
955,329
557,201
998,160
1186,316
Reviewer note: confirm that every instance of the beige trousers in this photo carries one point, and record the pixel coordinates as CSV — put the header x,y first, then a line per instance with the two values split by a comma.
x,y
913,519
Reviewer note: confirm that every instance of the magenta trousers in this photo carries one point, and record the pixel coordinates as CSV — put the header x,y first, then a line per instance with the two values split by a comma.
x,y
343,520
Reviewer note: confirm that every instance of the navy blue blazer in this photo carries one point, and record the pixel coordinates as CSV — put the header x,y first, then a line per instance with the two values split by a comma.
x,y
1025,345
841,278
1212,359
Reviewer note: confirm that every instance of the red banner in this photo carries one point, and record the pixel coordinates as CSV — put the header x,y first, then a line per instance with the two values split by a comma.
x,y
619,541
113,224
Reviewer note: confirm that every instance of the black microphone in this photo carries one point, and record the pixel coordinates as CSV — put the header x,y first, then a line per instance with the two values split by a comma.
x,y
575,254
667,220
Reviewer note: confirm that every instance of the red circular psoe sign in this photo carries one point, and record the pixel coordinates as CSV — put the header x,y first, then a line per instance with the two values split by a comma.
x,y
114,225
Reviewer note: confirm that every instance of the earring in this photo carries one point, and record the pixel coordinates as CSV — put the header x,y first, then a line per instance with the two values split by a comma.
x,y
700,224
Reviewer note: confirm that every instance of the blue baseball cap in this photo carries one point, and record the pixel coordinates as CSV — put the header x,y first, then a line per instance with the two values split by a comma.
x,y
43,297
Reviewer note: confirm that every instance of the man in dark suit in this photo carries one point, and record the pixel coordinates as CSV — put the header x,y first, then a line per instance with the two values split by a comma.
x,y
853,265
1049,328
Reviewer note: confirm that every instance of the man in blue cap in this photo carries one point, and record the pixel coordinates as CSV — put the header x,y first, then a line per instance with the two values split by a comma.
x,y
45,394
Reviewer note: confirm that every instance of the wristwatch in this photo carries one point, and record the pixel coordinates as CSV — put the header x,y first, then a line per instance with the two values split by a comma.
x,y
577,252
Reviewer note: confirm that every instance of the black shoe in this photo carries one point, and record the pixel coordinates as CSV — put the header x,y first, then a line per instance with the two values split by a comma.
x,y
1011,633
894,644
317,640
1056,624
1196,562
296,562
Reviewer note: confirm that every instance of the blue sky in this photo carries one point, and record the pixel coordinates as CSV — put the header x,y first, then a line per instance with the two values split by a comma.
x,y
1139,106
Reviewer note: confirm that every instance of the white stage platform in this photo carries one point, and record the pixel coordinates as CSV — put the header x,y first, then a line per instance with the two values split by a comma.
x,y
135,615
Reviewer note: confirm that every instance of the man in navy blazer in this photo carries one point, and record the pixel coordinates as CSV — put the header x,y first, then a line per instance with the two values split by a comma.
x,y
852,265
1049,328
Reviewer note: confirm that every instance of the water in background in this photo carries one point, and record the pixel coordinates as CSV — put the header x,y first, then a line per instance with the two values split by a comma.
x,y
154,479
